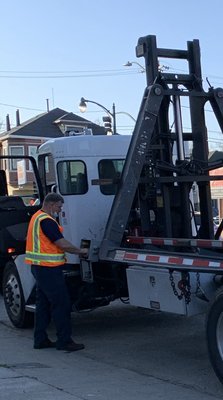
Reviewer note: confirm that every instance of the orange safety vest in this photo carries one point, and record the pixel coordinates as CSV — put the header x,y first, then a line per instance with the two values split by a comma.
x,y
39,249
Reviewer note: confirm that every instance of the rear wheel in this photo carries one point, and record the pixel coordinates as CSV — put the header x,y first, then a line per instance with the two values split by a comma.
x,y
14,298
214,332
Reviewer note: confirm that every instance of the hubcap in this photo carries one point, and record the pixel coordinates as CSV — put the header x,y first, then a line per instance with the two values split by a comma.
x,y
13,295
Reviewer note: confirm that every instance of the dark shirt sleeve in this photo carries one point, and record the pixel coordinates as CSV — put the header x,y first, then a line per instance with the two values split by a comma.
x,y
51,229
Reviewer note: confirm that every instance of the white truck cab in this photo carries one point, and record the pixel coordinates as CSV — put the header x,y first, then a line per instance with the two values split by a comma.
x,y
79,168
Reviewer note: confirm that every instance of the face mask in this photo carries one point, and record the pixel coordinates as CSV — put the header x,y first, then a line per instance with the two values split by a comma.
x,y
55,215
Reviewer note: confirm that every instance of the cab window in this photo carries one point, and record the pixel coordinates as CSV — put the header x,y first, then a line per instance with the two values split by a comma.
x,y
111,170
72,177
47,172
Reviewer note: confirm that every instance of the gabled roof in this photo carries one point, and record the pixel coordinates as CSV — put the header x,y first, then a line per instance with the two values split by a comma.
x,y
215,155
47,125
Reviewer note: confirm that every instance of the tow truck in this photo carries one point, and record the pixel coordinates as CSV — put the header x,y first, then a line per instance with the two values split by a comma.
x,y
129,200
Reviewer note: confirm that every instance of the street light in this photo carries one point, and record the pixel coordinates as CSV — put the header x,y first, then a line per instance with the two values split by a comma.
x,y
129,64
160,67
83,107
129,115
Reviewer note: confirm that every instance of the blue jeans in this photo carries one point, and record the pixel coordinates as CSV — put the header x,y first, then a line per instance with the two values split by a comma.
x,y
52,300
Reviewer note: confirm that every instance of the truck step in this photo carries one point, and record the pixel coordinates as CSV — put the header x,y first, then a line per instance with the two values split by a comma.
x,y
30,307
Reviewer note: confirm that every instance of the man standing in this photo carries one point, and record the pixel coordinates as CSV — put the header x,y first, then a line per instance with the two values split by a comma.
x,y
45,248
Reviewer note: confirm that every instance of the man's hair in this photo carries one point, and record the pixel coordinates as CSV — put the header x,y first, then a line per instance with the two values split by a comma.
x,y
53,198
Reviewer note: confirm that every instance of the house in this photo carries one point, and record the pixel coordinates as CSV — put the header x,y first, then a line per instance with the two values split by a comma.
x,y
25,138
217,186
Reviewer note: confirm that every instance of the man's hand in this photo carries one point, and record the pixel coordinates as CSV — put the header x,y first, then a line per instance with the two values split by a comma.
x,y
68,247
84,253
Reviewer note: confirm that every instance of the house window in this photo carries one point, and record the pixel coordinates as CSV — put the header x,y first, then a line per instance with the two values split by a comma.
x,y
70,130
15,151
5,162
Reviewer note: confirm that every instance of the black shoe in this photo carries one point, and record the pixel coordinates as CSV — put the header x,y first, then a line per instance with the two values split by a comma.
x,y
45,345
71,346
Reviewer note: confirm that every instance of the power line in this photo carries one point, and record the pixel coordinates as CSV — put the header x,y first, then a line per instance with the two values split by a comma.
x,y
94,73
83,75
22,108
184,71
61,72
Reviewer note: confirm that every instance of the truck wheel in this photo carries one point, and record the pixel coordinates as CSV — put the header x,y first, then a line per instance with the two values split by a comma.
x,y
14,298
214,331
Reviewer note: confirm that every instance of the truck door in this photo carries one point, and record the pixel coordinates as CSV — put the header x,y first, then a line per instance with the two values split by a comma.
x,y
21,195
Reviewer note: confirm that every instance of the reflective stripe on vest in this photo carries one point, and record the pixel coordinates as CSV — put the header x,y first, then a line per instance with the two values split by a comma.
x,y
43,256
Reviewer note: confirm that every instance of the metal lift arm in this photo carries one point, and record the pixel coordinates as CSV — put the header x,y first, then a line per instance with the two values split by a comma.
x,y
135,160
158,174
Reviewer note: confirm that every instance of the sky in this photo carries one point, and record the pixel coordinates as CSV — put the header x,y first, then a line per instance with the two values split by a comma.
x,y
65,50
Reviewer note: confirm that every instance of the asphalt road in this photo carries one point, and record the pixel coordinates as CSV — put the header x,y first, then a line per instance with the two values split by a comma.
x,y
130,354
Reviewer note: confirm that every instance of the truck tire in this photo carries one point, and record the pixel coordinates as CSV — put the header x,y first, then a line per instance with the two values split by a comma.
x,y
14,298
214,333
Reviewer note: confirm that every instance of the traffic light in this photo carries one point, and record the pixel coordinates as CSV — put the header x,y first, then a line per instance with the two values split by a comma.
x,y
107,124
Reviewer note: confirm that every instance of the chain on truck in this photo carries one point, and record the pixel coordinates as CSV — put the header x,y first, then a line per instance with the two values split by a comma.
x,y
130,200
